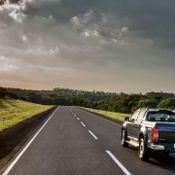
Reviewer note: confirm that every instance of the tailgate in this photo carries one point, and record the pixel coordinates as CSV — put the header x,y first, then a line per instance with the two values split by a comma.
x,y
166,132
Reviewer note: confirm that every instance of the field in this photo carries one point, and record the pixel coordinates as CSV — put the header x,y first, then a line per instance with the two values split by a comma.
x,y
14,111
113,115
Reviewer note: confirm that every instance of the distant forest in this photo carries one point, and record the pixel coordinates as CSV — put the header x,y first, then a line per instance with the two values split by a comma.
x,y
117,102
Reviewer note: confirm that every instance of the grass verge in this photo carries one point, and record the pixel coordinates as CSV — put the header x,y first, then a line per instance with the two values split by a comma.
x,y
14,111
109,114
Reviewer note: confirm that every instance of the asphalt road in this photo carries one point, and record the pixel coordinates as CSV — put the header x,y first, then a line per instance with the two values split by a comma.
x,y
76,142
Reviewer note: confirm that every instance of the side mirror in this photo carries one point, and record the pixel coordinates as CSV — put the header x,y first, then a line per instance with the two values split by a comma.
x,y
132,120
126,119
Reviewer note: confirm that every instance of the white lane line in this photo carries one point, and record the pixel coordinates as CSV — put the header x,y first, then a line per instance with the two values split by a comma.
x,y
92,134
75,115
78,118
71,112
7,171
83,124
118,163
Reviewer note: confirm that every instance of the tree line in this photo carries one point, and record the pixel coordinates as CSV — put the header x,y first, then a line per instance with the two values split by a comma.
x,y
117,102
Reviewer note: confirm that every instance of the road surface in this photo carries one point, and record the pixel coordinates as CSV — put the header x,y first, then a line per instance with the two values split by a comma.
x,y
75,142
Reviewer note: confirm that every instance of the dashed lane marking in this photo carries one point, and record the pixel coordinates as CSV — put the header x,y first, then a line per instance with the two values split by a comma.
x,y
118,163
83,124
92,134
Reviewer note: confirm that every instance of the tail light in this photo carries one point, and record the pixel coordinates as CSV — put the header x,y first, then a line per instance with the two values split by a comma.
x,y
155,135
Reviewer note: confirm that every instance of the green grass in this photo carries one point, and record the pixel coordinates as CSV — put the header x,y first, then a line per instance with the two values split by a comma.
x,y
14,111
113,115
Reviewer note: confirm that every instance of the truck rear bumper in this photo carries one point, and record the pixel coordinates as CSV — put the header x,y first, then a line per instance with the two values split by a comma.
x,y
167,147
157,147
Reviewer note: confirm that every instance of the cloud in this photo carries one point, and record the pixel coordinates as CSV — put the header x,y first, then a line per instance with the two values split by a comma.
x,y
91,33
8,64
119,42
99,26
24,38
124,30
15,10
75,20
106,45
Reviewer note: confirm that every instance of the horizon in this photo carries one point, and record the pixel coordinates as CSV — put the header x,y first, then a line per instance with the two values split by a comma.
x,y
114,46
114,92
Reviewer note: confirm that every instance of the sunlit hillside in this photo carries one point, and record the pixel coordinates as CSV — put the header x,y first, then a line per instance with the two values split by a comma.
x,y
14,111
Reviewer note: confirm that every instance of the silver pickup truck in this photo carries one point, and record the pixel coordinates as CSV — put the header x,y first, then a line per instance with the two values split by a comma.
x,y
150,130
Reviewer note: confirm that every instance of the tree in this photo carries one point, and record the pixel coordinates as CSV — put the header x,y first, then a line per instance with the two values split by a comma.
x,y
148,103
167,103
2,92
12,95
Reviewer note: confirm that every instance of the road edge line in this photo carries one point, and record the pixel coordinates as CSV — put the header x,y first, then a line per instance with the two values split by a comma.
x,y
12,164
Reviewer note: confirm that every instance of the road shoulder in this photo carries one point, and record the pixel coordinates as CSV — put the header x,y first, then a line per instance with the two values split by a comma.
x,y
14,138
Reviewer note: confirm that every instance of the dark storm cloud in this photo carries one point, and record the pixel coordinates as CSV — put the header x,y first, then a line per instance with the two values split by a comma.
x,y
148,19
104,42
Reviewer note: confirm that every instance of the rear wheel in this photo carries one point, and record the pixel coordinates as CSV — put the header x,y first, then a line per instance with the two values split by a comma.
x,y
143,151
123,138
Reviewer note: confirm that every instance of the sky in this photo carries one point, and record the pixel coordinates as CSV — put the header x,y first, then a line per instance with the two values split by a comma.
x,y
110,45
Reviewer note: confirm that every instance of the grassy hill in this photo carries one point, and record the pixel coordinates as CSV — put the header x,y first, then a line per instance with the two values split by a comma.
x,y
13,111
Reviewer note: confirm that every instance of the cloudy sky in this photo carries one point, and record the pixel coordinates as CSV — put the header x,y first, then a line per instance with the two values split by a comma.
x,y
110,45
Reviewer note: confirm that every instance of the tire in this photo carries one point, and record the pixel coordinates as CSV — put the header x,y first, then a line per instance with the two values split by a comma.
x,y
123,138
143,151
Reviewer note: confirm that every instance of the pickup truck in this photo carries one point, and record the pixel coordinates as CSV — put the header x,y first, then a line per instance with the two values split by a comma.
x,y
150,130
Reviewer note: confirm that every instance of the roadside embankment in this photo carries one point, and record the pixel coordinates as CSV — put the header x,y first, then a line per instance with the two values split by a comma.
x,y
14,137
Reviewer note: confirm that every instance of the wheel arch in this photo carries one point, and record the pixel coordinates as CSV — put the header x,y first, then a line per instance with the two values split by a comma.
x,y
141,136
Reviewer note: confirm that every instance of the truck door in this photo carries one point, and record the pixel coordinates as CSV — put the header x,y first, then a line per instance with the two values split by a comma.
x,y
137,124
130,126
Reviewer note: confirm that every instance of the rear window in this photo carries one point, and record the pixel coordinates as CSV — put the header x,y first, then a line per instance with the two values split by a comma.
x,y
167,116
